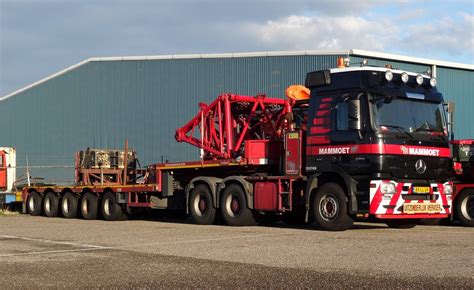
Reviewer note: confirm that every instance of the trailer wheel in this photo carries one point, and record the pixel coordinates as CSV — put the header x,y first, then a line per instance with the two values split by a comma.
x,y
111,210
330,208
35,204
69,204
234,207
200,205
89,205
402,223
51,204
464,208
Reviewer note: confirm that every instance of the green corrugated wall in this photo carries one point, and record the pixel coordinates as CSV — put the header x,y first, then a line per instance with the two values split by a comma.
x,y
101,103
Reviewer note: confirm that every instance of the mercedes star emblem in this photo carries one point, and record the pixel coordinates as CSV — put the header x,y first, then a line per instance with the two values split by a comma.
x,y
420,166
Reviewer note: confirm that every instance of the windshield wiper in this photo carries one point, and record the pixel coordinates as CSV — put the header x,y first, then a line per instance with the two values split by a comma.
x,y
399,129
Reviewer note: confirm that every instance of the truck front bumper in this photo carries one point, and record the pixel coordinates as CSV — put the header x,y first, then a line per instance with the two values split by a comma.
x,y
409,200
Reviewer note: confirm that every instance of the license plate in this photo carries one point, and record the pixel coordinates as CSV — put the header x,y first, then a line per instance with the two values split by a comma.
x,y
422,208
421,189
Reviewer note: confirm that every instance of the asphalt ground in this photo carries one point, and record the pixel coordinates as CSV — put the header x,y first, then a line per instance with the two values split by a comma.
x,y
38,252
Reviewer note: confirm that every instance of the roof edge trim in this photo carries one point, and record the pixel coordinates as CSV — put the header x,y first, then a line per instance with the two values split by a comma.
x,y
355,52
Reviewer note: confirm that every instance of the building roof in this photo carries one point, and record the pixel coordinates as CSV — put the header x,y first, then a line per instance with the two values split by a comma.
x,y
350,52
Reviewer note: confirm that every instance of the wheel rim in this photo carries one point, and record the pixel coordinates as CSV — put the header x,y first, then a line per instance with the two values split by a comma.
x,y
31,204
328,207
107,206
85,206
232,205
66,205
200,205
47,204
467,207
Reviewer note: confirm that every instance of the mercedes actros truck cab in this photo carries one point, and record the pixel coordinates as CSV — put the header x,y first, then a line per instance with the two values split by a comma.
x,y
379,135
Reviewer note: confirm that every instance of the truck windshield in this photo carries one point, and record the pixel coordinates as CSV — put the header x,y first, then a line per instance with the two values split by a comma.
x,y
409,115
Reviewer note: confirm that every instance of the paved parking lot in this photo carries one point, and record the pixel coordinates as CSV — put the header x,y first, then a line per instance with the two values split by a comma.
x,y
57,252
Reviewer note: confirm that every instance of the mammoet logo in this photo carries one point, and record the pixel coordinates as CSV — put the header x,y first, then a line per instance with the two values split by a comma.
x,y
334,150
419,151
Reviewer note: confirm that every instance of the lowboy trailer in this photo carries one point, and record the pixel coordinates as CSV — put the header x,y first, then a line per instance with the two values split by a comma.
x,y
367,142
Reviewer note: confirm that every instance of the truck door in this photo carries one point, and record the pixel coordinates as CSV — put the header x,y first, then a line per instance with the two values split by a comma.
x,y
293,153
3,171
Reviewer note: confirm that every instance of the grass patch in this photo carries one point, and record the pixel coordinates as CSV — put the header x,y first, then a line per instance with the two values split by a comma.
x,y
8,213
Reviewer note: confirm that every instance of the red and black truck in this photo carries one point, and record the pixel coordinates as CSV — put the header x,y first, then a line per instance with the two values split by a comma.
x,y
367,142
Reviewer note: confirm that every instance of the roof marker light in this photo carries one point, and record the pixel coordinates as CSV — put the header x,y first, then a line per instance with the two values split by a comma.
x,y
405,77
419,79
388,76
433,82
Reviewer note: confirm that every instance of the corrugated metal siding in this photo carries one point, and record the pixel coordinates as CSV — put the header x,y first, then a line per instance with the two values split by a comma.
x,y
458,86
102,103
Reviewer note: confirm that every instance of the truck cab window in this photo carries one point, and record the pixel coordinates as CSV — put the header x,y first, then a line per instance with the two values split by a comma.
x,y
342,116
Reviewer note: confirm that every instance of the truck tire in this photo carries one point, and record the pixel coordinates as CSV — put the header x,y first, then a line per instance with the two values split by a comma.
x,y
200,205
69,204
330,208
402,223
89,205
51,204
464,207
35,204
234,209
110,209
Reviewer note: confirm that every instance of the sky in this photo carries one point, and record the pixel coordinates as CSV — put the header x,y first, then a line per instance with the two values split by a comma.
x,y
41,37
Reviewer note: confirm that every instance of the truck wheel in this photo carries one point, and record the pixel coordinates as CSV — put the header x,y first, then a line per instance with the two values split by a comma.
x,y
51,204
330,208
35,204
234,207
200,205
69,205
89,204
464,208
402,223
111,210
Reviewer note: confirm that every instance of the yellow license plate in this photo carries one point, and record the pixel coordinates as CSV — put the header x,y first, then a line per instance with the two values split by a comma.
x,y
421,189
421,208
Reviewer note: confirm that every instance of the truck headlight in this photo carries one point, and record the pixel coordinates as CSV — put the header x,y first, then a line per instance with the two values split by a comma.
x,y
387,188
405,77
388,76
419,79
448,189
433,82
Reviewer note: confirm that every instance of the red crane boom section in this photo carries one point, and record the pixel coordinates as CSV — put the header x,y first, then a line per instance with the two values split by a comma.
x,y
222,127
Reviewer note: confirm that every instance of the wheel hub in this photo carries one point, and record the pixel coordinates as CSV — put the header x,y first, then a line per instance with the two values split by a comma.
x,y
328,207
234,205
202,205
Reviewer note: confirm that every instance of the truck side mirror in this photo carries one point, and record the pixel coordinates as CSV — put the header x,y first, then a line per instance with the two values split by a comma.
x,y
355,122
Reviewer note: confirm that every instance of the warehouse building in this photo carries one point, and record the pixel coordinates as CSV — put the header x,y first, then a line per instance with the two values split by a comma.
x,y
101,101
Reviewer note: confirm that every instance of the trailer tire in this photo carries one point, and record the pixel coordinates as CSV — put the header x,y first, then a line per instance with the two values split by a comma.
x,y
35,204
402,223
234,207
330,208
69,204
464,208
89,205
51,204
110,209
200,205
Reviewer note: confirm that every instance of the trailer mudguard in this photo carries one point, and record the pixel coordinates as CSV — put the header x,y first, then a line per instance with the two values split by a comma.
x,y
247,186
